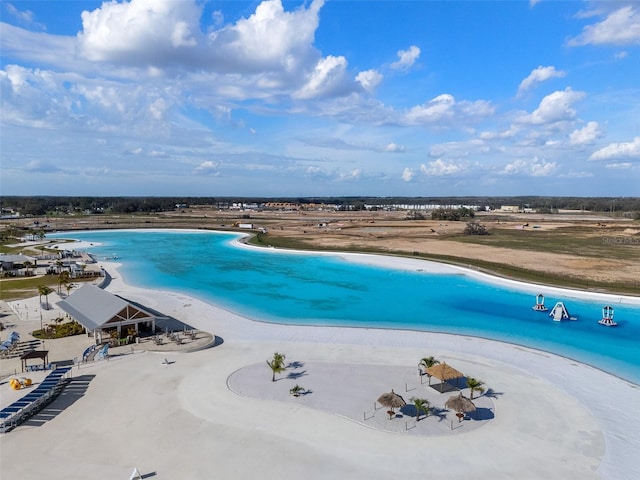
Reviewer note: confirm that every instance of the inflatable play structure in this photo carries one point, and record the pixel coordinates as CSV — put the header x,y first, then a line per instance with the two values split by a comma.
x,y
607,317
18,384
559,312
539,306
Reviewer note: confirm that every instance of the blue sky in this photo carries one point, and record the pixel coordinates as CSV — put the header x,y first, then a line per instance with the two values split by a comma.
x,y
320,98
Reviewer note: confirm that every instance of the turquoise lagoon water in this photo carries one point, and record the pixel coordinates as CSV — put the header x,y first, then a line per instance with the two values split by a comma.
x,y
316,289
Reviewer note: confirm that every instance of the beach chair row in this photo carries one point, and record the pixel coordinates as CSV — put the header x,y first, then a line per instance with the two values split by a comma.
x,y
34,401
9,344
38,367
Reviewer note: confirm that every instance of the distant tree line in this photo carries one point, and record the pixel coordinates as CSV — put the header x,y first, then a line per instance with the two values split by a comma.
x,y
62,205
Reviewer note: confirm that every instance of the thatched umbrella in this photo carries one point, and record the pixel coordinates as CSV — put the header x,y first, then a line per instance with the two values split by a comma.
x,y
444,372
391,400
460,404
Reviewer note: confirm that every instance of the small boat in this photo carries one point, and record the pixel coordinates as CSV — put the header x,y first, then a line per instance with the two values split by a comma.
x,y
539,306
607,317
559,312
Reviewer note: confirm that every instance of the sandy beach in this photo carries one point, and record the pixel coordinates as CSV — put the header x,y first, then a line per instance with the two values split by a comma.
x,y
216,412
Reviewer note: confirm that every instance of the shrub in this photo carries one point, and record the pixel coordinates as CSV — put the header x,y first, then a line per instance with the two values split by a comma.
x,y
474,228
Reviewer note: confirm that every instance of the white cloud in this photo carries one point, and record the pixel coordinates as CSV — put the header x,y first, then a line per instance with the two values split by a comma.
x,y
555,107
354,174
621,27
458,149
534,168
327,78
515,167
408,174
620,166
40,166
629,150
158,108
140,31
217,17
543,169
510,133
22,15
181,35
586,134
164,33
38,48
208,167
539,75
33,97
406,58
444,107
439,168
393,147
271,37
434,110
314,171
369,79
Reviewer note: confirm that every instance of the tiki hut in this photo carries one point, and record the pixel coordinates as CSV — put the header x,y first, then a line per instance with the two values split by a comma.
x,y
461,405
391,400
444,372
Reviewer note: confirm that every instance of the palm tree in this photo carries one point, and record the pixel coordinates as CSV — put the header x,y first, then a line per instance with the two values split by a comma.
x,y
428,362
475,385
276,365
40,292
45,290
297,390
27,266
421,405
279,357
63,279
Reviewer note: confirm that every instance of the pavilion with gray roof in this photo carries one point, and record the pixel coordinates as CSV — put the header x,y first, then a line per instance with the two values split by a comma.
x,y
96,309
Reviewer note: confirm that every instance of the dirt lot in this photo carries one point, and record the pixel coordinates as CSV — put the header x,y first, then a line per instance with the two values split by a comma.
x,y
594,252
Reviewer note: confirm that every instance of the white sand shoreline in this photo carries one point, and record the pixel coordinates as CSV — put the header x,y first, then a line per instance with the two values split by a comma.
x,y
538,442
432,267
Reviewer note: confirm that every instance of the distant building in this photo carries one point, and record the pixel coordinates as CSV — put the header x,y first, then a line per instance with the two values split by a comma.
x,y
248,226
15,264
510,208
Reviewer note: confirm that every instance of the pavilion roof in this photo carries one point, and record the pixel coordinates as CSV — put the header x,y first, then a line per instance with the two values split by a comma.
x,y
94,308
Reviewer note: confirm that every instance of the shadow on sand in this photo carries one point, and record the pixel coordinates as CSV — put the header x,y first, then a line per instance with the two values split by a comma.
x,y
70,394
